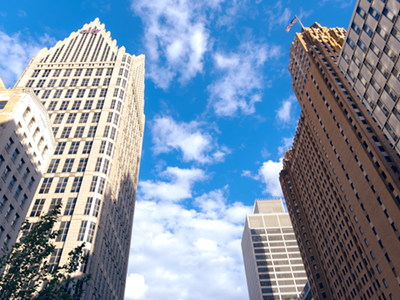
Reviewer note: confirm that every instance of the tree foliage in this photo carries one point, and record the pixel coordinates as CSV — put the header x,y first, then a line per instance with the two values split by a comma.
x,y
28,274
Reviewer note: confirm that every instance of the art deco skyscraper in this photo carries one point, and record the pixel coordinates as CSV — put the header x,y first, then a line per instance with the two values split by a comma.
x,y
94,93
274,269
340,179
370,60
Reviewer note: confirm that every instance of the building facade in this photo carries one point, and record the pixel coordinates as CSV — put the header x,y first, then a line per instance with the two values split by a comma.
x,y
273,265
26,144
94,93
340,179
370,60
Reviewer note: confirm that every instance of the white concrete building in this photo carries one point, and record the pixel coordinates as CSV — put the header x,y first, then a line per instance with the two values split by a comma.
x,y
26,144
94,93
370,60
273,265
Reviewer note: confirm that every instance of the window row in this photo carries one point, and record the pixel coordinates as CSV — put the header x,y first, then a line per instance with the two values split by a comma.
x,y
68,72
81,93
63,83
76,105
70,118
66,132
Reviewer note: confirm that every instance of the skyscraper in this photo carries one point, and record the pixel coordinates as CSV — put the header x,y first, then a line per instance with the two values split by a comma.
x,y
26,144
340,179
274,269
94,93
369,58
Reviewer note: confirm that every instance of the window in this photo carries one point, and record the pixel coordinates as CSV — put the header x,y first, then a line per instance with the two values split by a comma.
x,y
96,117
372,254
100,104
385,283
76,105
361,45
82,165
37,207
69,93
52,105
74,148
91,209
98,165
57,94
109,72
92,93
119,105
15,155
113,132
62,184
66,132
53,166
110,149
103,92
374,13
102,147
58,119
23,200
46,94
99,72
392,55
116,119
106,81
40,83
9,143
109,118
82,231
67,72
88,104
79,131
76,185
93,184
53,204
85,82
46,73
31,181
379,269
89,72
52,83
374,49
368,30
6,241
30,83
84,118
96,81
70,207
54,259
87,229
26,173
63,231
69,162
12,182
387,13
20,164
106,131
87,147
81,94
63,82
78,72
105,166
366,242
60,148
64,105
74,82
57,73
383,70
17,192
92,131
2,201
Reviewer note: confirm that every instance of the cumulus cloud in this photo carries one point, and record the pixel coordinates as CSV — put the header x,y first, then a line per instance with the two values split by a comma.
x,y
135,286
177,251
178,188
287,144
190,138
285,112
241,81
16,51
269,174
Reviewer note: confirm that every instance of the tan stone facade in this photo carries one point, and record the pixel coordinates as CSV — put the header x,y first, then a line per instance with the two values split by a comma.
x,y
340,179
94,93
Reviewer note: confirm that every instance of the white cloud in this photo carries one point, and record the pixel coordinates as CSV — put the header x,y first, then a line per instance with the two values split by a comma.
x,y
287,144
240,85
16,51
189,138
279,16
247,173
269,174
179,251
178,188
285,112
135,286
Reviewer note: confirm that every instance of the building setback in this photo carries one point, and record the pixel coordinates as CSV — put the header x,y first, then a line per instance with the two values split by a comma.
x,y
273,265
370,60
340,179
94,93
26,144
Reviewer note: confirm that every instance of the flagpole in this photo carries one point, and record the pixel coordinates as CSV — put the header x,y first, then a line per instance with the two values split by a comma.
x,y
302,26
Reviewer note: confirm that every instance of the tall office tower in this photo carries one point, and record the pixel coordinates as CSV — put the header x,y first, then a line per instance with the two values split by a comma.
x,y
273,265
340,179
26,144
369,59
94,93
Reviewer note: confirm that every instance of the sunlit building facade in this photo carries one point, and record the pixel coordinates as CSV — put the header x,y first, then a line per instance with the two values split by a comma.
x,y
340,179
94,93
273,265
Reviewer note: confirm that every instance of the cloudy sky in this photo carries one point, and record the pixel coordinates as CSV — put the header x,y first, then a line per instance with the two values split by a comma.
x,y
220,114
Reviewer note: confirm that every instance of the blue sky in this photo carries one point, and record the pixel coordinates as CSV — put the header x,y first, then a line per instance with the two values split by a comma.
x,y
220,113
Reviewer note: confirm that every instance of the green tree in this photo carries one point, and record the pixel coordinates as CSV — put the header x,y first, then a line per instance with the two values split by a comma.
x,y
29,272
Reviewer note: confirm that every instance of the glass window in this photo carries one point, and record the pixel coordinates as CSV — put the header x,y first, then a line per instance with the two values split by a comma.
x,y
76,185
69,162
63,231
62,184
70,207
46,184
37,207
74,148
82,165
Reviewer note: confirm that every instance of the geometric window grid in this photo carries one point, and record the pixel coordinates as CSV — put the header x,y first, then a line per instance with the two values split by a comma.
x,y
58,119
66,132
57,73
64,105
89,205
74,148
86,227
113,132
92,93
57,95
76,105
60,148
52,106
76,185
113,102
71,118
79,131
110,115
96,117
55,130
82,165
54,260
69,208
87,147
92,131
116,119
74,82
106,81
105,166
67,72
61,185
96,81
106,131
69,94
63,231
46,94
109,71
78,72
119,106
69,162
99,72
36,73
52,83
100,104
63,82
88,104
102,147
85,82
44,189
98,165
53,204
37,207
53,166
110,149
89,72
84,118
